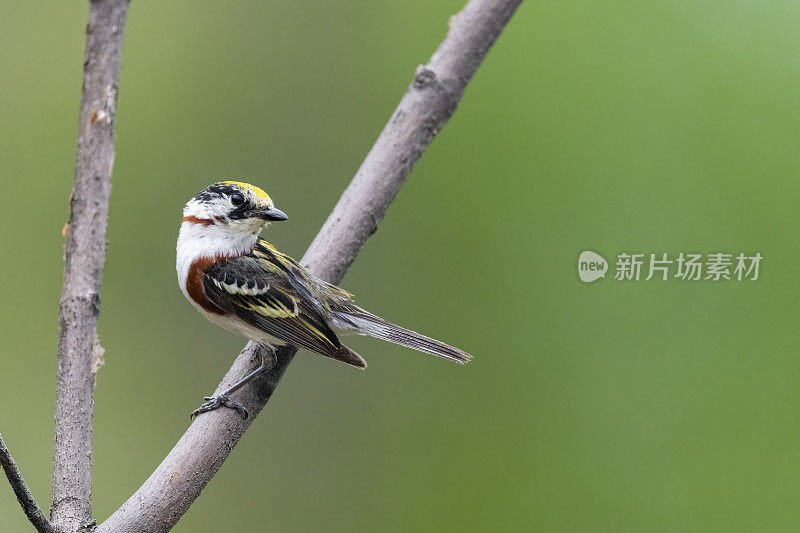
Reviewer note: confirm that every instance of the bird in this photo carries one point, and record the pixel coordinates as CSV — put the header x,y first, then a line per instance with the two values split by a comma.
x,y
244,284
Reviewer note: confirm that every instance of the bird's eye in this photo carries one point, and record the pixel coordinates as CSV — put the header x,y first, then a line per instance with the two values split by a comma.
x,y
237,199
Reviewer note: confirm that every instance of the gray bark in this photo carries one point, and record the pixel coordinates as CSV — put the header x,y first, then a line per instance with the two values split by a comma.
x,y
78,347
429,102
427,105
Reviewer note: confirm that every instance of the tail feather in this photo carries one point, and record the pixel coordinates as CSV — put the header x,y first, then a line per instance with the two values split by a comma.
x,y
365,323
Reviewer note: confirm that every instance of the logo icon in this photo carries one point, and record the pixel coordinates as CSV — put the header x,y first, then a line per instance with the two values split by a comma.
x,y
591,266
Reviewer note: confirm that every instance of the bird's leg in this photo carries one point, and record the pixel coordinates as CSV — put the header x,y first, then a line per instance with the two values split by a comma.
x,y
224,399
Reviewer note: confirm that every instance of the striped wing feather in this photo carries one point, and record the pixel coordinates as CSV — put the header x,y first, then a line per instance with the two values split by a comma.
x,y
271,296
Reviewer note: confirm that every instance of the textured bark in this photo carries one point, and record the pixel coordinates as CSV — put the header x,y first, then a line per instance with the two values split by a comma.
x,y
21,491
427,105
79,352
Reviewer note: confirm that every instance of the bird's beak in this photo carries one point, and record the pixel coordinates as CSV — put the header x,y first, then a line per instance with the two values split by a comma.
x,y
272,214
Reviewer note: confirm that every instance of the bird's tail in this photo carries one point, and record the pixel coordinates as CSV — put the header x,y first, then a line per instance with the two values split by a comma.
x,y
365,323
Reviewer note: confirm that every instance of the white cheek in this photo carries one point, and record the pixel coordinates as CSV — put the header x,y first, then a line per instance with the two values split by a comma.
x,y
250,225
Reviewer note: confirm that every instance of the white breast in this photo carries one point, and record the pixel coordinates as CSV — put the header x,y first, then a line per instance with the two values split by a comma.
x,y
196,241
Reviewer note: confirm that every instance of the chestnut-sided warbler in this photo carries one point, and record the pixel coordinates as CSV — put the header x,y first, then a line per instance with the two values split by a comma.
x,y
244,284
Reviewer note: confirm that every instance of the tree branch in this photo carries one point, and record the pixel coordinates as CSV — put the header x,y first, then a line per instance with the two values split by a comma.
x,y
427,105
78,348
21,491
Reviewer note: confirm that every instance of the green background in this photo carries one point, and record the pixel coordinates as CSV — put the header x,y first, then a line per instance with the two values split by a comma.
x,y
616,126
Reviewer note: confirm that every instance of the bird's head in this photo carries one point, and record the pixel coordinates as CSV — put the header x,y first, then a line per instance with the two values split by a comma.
x,y
232,206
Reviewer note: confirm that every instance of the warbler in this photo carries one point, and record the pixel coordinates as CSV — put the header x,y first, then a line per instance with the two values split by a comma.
x,y
244,284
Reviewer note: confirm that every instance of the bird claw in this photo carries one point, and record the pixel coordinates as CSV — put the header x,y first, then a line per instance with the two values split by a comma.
x,y
223,400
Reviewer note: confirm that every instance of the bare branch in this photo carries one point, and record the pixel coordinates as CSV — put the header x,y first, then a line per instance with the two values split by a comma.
x,y
421,114
78,348
21,491
427,105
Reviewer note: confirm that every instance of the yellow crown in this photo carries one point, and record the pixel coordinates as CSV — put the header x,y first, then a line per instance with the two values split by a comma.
x,y
259,192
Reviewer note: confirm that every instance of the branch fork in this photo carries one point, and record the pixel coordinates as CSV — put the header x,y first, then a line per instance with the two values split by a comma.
x,y
167,494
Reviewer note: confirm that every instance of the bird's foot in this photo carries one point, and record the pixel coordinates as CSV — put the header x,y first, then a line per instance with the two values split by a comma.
x,y
223,400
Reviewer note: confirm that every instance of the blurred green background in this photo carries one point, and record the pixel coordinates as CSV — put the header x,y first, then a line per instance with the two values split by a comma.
x,y
660,126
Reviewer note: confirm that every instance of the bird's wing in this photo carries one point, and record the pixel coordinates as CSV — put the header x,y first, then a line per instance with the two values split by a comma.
x,y
273,296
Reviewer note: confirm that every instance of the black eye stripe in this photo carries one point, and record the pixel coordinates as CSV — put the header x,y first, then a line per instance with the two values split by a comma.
x,y
218,191
240,209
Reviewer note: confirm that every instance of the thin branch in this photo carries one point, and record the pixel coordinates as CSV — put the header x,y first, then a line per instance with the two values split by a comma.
x,y
78,348
427,105
21,491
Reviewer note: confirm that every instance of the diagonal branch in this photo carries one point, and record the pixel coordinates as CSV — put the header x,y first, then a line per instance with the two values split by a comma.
x,y
85,249
21,491
427,105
